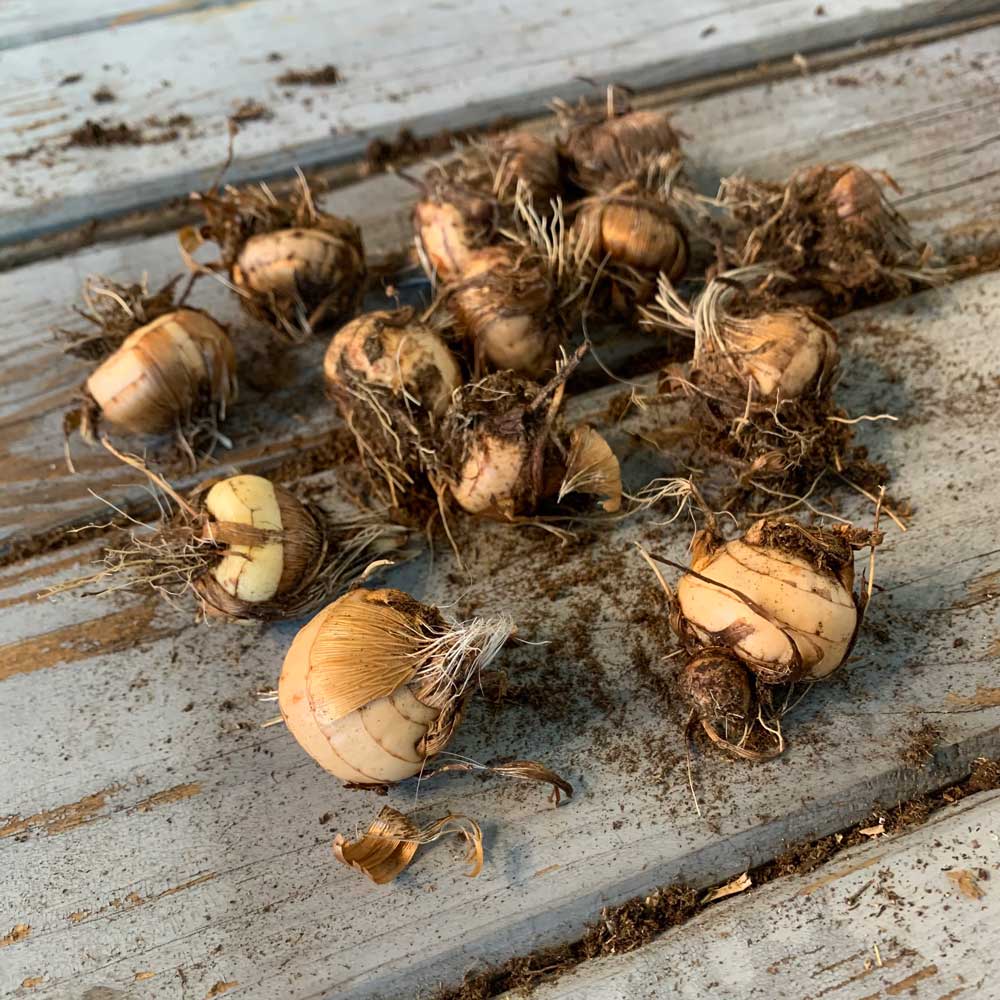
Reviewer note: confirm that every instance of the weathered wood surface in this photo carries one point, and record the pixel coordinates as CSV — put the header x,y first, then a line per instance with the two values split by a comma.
x,y
886,919
399,65
935,93
157,843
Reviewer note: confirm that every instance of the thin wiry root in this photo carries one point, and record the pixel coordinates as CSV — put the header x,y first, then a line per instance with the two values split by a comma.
x,y
520,770
451,658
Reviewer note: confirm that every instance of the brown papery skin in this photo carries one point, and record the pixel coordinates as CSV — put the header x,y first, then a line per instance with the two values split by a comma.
x,y
161,372
377,743
617,149
527,157
638,232
392,350
857,197
503,302
788,353
299,262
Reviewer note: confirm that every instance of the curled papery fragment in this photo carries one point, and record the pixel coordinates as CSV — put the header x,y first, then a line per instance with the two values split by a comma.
x,y
592,467
392,839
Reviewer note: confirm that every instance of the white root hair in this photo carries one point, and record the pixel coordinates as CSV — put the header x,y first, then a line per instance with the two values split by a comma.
x,y
452,657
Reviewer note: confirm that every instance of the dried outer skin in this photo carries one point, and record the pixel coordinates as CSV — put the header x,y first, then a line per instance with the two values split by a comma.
x,y
633,229
504,303
606,152
785,616
530,159
379,741
392,350
163,372
311,267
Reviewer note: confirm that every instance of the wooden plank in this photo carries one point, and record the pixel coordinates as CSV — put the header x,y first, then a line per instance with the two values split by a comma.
x,y
885,919
155,830
513,60
23,22
946,89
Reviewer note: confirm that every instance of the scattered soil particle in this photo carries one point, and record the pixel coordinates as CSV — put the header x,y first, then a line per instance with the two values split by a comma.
x,y
103,95
920,745
92,133
637,922
327,76
72,78
274,57
251,111
406,147
24,154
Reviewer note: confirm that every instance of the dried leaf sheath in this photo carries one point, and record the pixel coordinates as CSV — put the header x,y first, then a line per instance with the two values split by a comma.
x,y
392,839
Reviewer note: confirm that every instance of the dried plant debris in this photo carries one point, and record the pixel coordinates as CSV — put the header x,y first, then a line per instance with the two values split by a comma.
x,y
389,844
640,920
295,268
325,76
244,548
833,234
113,311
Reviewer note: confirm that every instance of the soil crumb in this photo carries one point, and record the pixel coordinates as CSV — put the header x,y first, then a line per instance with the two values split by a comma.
x,y
103,95
920,745
327,76
72,78
251,111
381,153
92,133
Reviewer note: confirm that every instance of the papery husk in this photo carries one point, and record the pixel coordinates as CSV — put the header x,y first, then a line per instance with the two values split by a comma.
x,y
392,378
176,373
519,770
392,839
115,310
610,143
832,232
592,467
299,270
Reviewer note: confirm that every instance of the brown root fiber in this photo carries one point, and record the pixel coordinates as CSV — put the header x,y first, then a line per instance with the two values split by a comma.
x,y
832,228
638,921
114,311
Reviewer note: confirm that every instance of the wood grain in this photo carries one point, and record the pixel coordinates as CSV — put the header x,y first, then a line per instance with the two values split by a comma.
x,y
237,883
936,93
399,67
